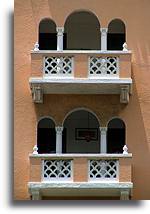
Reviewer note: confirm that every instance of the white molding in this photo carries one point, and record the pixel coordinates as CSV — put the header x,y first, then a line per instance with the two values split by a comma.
x,y
124,194
84,185
37,93
100,52
74,155
124,94
42,80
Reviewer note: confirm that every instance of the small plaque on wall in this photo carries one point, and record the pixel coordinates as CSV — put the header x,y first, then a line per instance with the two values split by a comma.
x,y
86,133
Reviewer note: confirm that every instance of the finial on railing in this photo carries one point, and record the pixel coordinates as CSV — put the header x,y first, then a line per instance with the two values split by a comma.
x,y
125,47
35,150
36,46
125,150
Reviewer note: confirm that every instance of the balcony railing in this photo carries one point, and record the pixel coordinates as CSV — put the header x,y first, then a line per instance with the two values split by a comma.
x,y
81,64
80,72
58,66
103,170
52,173
103,67
57,170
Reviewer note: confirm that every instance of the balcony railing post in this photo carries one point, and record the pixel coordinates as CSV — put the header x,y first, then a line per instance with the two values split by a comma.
x,y
104,38
103,139
60,31
59,130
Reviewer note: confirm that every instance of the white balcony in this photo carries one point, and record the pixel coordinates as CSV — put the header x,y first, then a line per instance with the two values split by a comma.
x,y
81,72
71,175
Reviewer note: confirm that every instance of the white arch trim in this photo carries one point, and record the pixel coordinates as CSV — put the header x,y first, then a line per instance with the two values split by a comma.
x,y
46,117
80,109
79,11
115,118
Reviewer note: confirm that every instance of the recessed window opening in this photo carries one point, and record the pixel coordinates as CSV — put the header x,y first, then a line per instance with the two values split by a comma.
x,y
47,35
115,136
81,131
46,136
116,36
82,31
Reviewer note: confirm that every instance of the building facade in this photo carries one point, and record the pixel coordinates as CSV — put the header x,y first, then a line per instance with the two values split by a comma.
x,y
81,104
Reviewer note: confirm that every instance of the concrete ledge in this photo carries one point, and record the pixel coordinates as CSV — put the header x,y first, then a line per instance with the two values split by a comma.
x,y
109,80
81,185
71,156
123,190
81,52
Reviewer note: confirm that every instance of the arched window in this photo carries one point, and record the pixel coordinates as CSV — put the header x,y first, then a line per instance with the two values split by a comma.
x,y
115,136
116,36
82,30
46,136
82,132
47,35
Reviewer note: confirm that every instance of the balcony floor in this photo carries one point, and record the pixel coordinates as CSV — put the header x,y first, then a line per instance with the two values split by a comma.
x,y
80,85
82,189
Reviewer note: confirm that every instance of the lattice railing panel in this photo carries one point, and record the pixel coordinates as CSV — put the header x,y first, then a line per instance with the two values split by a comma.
x,y
57,169
58,66
103,169
103,66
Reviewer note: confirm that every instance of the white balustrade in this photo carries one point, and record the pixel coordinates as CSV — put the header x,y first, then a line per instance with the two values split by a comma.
x,y
58,66
57,170
104,66
103,170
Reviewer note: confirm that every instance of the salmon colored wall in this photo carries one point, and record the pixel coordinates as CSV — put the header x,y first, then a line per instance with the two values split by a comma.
x,y
136,114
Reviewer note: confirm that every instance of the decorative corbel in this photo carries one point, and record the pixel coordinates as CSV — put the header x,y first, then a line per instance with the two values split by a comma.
x,y
37,93
124,94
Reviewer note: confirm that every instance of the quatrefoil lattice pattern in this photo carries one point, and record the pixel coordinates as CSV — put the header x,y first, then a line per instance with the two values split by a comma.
x,y
57,169
104,66
58,66
103,169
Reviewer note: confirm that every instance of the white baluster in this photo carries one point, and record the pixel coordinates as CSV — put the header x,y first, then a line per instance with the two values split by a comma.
x,y
125,150
36,46
35,150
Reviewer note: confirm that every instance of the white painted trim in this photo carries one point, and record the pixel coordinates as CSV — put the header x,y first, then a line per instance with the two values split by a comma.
x,y
80,109
101,52
53,180
82,185
74,155
38,80
104,76
103,180
58,75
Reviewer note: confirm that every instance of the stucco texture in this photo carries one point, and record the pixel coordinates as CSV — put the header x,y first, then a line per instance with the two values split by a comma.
x,y
136,114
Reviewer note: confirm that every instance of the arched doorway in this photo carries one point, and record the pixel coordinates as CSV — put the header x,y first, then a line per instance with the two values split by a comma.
x,y
82,31
115,136
46,136
116,36
47,35
82,132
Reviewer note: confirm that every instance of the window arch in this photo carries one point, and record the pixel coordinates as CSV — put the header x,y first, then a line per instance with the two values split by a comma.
x,y
116,35
47,35
82,29
115,135
82,132
46,136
